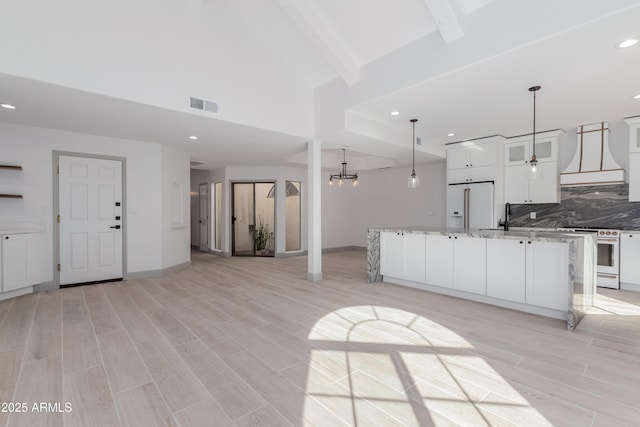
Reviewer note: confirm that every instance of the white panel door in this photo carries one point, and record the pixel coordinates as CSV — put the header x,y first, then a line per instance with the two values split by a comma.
x,y
629,257
204,217
90,203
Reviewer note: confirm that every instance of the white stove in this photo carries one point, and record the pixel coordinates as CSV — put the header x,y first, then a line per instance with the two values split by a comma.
x,y
608,255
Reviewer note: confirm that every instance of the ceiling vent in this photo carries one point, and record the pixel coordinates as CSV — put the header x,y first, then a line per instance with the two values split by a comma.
x,y
203,105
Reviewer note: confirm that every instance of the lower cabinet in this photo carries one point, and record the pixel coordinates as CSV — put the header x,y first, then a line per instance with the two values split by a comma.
x,y
20,260
506,269
402,255
439,261
547,274
470,264
630,258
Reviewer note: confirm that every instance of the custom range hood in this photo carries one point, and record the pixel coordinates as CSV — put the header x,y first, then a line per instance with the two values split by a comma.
x,y
593,163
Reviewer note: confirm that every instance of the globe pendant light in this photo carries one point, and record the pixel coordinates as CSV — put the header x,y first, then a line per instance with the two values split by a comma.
x,y
414,180
534,170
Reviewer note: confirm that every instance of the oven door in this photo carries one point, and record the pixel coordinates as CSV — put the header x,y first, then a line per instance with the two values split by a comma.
x,y
608,256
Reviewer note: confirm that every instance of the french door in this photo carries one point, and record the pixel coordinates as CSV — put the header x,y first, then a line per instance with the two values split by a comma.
x,y
90,219
253,220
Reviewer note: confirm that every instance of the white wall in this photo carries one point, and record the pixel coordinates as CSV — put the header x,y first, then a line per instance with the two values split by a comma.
x,y
176,247
33,149
382,199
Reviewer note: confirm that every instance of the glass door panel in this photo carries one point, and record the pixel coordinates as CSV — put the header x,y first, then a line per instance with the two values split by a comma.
x,y
253,219
292,215
242,221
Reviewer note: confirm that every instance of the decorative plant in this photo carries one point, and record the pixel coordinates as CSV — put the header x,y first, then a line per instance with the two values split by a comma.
x,y
262,235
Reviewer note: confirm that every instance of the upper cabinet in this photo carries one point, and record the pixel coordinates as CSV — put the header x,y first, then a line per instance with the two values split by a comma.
x,y
518,187
634,158
475,160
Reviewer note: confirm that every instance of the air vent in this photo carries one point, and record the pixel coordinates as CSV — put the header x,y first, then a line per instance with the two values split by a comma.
x,y
203,105
418,140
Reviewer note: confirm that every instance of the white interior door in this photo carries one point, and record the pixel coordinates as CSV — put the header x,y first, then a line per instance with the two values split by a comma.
x,y
90,209
204,217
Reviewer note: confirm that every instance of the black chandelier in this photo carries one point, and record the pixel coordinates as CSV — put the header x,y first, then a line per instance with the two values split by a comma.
x,y
343,174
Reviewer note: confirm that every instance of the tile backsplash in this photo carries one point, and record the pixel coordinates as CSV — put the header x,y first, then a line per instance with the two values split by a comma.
x,y
605,206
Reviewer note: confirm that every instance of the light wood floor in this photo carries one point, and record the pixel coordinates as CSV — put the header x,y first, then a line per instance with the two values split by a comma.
x,y
247,342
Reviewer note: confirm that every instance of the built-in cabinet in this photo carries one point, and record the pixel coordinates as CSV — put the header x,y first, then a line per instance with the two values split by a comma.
x,y
20,255
517,270
634,158
402,255
519,188
506,269
630,258
472,161
470,264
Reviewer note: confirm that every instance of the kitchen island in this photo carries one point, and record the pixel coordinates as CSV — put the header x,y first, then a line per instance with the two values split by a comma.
x,y
549,273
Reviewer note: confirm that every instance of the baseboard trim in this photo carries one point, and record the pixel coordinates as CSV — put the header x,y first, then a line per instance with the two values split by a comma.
x,y
630,287
344,248
46,286
314,277
149,274
291,254
16,293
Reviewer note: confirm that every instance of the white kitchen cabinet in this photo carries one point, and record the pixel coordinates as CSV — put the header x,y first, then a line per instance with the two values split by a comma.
x,y
506,270
391,254
634,177
402,255
630,258
470,264
477,160
20,260
439,261
546,271
519,189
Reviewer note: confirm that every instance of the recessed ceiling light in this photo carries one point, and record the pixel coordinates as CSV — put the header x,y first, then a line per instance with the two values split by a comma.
x,y
628,43
451,134
395,113
637,96
8,106
193,137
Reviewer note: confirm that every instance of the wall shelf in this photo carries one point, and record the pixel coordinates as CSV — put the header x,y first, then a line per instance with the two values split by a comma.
x,y
11,167
10,196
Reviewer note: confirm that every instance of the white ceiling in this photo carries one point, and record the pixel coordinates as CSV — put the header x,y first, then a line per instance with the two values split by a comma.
x,y
459,66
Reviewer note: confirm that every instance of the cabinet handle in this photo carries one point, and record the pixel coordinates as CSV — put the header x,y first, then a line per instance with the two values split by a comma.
x,y
456,237
529,242
520,241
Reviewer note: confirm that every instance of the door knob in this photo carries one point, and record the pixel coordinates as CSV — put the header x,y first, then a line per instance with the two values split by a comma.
x,y
117,227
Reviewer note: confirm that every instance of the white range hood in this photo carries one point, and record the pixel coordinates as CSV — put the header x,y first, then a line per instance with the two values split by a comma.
x,y
593,163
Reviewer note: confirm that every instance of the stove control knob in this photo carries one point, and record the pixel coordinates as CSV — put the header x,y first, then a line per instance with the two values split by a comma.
x,y
608,233
614,233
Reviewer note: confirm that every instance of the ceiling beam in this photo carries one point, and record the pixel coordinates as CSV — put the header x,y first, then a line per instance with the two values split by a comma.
x,y
303,13
445,17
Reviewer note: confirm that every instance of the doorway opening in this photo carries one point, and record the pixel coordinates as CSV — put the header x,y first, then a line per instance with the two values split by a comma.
x,y
203,191
253,219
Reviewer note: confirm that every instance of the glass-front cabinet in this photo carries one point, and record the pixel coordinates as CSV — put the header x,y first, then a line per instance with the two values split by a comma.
x,y
519,188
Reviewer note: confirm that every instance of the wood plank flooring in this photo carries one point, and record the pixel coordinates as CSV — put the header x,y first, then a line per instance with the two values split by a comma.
x,y
248,342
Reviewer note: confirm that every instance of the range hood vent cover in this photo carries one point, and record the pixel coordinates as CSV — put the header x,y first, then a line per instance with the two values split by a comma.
x,y
593,163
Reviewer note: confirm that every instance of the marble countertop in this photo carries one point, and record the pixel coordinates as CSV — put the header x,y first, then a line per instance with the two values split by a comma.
x,y
19,229
533,234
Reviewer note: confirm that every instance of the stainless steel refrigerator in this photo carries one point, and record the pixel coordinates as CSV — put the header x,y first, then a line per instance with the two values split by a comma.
x,y
471,205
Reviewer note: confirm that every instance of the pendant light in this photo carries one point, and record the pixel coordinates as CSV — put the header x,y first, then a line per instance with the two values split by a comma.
x,y
414,180
534,171
342,175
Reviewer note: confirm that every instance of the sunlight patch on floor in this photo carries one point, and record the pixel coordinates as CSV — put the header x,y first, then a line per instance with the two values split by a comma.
x,y
374,365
